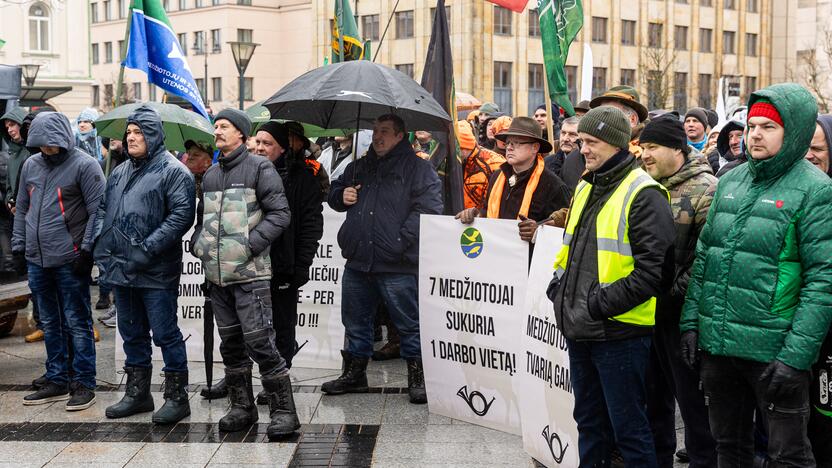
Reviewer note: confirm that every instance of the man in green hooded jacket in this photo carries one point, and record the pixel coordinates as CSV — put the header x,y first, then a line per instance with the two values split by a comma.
x,y
12,120
758,303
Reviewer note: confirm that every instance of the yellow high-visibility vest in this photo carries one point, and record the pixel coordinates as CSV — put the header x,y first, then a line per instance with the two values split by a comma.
x,y
615,257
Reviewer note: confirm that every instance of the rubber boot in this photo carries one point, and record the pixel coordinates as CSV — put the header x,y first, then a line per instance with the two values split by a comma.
x,y
243,412
416,381
390,350
176,405
284,416
137,398
352,380
217,391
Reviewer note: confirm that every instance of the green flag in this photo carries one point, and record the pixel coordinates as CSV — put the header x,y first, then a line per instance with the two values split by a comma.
x,y
345,34
2,43
560,21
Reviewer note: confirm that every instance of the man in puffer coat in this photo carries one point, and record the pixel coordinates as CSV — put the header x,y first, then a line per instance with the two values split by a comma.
x,y
148,207
758,302
242,211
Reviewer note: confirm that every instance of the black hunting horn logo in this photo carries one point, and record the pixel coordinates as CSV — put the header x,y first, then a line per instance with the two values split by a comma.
x,y
480,407
551,439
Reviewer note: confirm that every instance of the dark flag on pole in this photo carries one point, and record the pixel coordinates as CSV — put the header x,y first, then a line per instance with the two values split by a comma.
x,y
438,79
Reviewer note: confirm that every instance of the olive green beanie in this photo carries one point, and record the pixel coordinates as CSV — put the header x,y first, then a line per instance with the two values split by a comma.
x,y
607,124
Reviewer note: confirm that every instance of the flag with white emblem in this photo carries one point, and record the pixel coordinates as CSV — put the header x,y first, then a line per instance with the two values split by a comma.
x,y
154,49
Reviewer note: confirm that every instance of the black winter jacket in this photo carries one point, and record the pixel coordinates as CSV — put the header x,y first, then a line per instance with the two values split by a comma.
x,y
550,196
381,232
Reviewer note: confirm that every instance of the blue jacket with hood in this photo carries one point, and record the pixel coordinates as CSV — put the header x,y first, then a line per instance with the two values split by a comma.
x,y
58,196
148,206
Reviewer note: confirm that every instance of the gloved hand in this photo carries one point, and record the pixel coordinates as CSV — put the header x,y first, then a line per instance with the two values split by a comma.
x,y
19,263
690,348
527,228
558,218
467,215
300,277
83,264
785,380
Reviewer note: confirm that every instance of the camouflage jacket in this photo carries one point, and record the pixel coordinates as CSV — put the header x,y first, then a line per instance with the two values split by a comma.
x,y
691,190
243,210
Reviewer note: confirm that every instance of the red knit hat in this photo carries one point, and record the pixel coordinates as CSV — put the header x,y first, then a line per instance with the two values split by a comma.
x,y
764,108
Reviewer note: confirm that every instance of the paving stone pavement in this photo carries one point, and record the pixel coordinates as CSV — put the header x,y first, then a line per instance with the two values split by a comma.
x,y
379,429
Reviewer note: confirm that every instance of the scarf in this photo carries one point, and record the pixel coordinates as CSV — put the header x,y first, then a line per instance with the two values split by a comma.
x,y
699,144
496,197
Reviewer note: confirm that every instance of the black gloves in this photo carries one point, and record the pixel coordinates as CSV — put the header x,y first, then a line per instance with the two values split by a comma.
x,y
785,380
690,348
83,264
19,263
300,277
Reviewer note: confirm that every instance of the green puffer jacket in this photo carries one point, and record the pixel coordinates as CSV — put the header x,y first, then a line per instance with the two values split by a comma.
x,y
761,282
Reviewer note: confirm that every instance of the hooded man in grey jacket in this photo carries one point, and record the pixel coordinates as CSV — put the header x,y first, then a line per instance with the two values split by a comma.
x,y
59,191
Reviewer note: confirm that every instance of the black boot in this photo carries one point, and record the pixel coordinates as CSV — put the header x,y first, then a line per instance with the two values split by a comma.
x,y
243,412
176,405
390,350
352,380
416,381
217,391
284,417
137,398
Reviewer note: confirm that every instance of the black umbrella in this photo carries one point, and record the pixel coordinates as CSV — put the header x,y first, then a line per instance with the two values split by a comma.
x,y
353,94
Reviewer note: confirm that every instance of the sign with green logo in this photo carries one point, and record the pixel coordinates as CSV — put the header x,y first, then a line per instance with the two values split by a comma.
x,y
471,242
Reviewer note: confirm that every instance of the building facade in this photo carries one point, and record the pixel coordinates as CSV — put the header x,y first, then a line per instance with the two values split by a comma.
x,y
54,35
672,50
283,28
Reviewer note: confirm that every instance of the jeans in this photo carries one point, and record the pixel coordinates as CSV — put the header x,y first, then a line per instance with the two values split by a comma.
x,y
733,389
608,384
670,381
64,306
142,311
361,294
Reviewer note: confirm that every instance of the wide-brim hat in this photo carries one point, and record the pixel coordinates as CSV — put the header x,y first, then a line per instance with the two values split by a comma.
x,y
582,106
626,95
529,128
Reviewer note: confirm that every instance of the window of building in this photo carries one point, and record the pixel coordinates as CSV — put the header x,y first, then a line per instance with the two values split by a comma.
x,y
502,21
137,91
730,4
680,91
704,90
183,42
216,2
447,16
706,39
537,94
628,32
599,29
166,5
200,85
243,2
750,85
655,31
655,83
108,10
572,82
183,4
197,3
404,24
534,23
216,41
108,52
151,92
245,35
248,89
108,97
96,99
683,2
120,49
199,41
680,37
369,27
502,86
628,77
705,3
406,68
94,12
599,80
750,45
39,24
751,6
729,45
216,89
122,8
94,54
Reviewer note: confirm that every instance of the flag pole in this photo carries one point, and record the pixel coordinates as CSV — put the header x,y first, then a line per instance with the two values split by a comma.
x,y
123,53
550,129
339,14
381,41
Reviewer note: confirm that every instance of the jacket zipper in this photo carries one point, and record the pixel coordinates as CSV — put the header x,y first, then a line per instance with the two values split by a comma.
x,y
66,223
219,225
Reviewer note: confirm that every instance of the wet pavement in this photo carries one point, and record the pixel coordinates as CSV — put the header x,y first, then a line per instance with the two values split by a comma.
x,y
379,429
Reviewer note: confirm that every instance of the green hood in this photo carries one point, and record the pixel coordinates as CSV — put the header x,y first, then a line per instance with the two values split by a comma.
x,y
799,110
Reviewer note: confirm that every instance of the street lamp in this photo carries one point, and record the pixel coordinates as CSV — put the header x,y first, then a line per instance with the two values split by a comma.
x,y
200,49
242,52
30,73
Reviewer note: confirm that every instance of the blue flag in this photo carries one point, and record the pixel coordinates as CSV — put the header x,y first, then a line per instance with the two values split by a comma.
x,y
154,49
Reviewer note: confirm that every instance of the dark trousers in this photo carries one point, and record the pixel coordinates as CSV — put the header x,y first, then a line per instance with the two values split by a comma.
x,y
65,314
285,318
670,381
820,420
608,384
244,321
733,389
142,311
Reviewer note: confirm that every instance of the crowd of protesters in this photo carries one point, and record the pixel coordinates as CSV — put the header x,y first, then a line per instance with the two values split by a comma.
x,y
694,271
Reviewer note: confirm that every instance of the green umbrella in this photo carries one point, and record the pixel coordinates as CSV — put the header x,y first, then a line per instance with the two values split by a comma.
x,y
180,125
260,115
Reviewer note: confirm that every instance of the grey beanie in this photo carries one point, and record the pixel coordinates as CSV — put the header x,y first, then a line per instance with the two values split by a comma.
x,y
238,119
608,124
699,114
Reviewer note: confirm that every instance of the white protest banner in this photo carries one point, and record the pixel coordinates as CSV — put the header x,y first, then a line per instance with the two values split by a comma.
x,y
319,329
472,281
542,383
